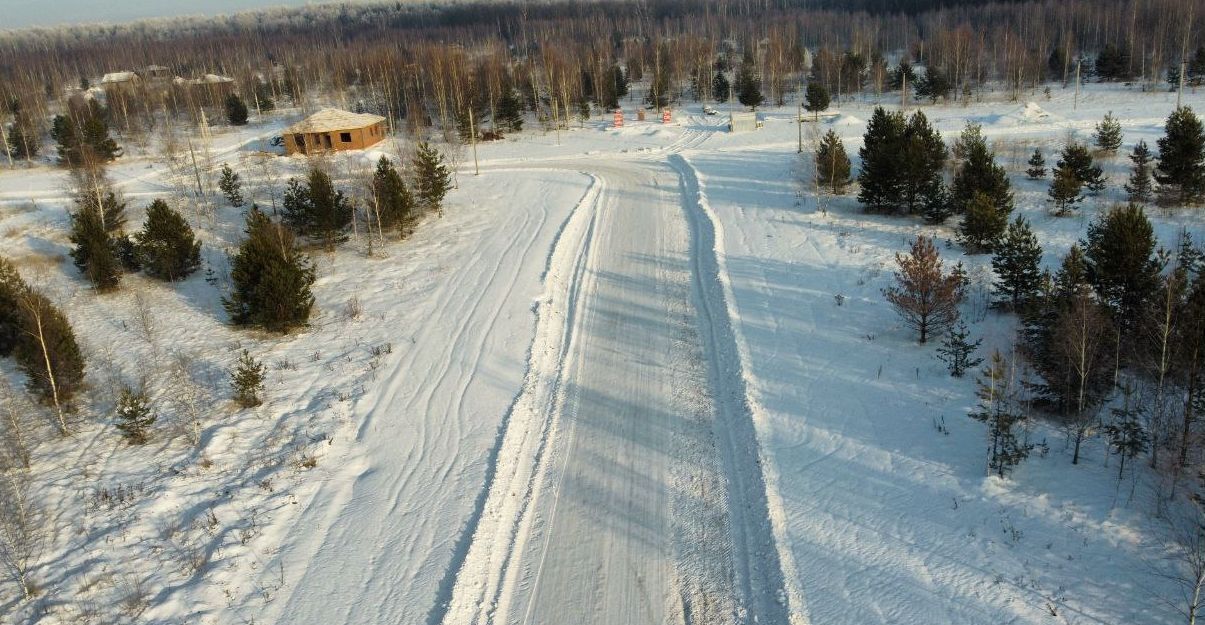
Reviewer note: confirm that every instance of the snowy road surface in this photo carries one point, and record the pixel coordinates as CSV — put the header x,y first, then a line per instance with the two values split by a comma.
x,y
612,498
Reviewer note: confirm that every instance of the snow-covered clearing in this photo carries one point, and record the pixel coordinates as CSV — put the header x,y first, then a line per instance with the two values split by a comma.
x,y
613,384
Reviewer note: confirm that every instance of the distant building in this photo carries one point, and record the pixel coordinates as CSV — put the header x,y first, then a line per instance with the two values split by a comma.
x,y
119,83
155,73
332,130
208,90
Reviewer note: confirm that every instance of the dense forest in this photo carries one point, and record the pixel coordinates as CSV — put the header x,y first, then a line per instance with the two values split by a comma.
x,y
429,64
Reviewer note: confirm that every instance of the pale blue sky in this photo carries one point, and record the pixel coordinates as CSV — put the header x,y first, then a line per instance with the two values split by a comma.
x,y
22,13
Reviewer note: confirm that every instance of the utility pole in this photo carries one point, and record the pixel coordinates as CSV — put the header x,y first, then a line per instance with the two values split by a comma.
x,y
473,136
799,122
1075,104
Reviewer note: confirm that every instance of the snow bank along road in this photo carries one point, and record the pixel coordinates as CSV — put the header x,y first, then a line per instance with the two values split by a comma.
x,y
625,485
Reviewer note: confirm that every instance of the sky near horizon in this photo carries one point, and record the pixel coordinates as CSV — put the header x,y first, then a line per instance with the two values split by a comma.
x,y
26,13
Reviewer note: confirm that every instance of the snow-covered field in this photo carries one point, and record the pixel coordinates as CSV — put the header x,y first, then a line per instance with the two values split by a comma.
x,y
612,384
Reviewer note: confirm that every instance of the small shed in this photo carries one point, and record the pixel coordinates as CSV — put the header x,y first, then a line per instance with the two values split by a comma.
x,y
743,122
332,130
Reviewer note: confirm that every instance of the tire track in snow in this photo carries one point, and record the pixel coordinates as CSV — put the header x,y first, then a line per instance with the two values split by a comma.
x,y
764,564
517,463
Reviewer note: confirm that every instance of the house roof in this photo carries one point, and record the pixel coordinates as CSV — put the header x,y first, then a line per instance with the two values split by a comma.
x,y
331,120
207,79
113,77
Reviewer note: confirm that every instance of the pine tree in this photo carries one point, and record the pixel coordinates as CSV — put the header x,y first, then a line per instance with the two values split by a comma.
x,y
996,389
957,351
48,354
83,137
247,380
1108,134
832,164
271,278
432,178
23,141
231,185
1140,187
1181,169
924,295
1065,189
920,162
236,110
393,201
979,174
1017,264
748,86
166,246
263,97
934,85
134,416
95,253
1037,165
1126,435
1121,262
317,210
1078,160
12,289
903,73
878,179
509,112
983,224
816,98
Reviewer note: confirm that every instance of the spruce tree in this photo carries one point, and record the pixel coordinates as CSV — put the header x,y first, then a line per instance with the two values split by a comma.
x,y
748,86
95,252
1017,264
816,98
720,87
979,174
247,380
1108,134
509,112
621,81
134,416
1037,165
832,164
1140,187
983,224
878,180
166,246
1181,169
394,204
271,278
1121,263
432,178
934,85
83,137
958,351
236,110
920,161
231,185
1065,189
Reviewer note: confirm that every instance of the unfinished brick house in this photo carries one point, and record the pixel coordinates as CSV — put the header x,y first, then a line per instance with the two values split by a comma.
x,y
332,130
